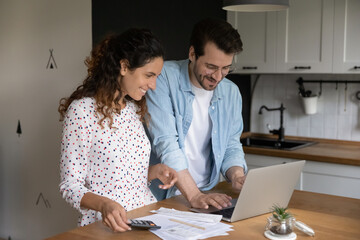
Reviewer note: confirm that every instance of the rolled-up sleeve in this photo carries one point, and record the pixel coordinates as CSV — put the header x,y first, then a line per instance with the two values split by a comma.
x,y
164,125
234,154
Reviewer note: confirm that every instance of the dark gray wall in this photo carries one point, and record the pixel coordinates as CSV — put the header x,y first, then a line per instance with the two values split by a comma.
x,y
171,21
244,84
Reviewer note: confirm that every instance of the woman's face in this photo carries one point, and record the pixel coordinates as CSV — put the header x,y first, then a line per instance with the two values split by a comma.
x,y
135,83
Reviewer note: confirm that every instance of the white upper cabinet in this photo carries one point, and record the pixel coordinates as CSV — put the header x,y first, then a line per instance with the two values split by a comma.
x,y
305,37
347,36
312,36
258,34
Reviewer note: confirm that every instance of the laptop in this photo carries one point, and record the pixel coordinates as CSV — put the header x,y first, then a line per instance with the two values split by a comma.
x,y
263,188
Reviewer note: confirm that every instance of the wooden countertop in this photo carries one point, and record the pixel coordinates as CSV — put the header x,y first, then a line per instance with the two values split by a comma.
x,y
325,150
330,216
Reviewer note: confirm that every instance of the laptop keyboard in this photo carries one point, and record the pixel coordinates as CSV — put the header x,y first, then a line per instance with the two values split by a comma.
x,y
227,213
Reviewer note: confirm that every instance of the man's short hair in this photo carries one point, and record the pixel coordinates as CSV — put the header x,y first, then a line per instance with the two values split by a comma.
x,y
218,31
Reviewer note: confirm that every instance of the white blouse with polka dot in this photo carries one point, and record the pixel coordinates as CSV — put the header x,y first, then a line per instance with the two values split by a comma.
x,y
111,162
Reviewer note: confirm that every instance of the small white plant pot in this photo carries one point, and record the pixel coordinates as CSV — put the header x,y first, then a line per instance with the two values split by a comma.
x,y
310,104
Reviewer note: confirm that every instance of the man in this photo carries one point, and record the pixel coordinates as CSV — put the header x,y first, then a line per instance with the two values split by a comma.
x,y
195,116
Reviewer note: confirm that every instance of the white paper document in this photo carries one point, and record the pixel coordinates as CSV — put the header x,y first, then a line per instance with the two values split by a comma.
x,y
202,217
179,228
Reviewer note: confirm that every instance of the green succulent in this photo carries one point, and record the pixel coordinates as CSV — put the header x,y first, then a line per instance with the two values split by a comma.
x,y
280,213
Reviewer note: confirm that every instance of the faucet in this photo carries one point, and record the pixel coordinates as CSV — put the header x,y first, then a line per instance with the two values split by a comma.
x,y
281,131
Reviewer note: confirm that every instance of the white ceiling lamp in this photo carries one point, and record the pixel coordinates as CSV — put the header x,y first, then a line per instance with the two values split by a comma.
x,y
255,5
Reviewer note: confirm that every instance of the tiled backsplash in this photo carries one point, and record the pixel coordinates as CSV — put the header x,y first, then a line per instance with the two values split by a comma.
x,y
338,110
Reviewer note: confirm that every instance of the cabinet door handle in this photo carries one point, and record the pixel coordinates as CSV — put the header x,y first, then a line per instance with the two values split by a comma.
x,y
302,67
356,67
247,68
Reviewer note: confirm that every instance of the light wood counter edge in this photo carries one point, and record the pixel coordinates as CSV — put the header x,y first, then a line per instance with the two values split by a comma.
x,y
308,152
319,140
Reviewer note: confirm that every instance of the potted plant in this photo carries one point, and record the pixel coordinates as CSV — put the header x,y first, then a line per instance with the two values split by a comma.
x,y
281,221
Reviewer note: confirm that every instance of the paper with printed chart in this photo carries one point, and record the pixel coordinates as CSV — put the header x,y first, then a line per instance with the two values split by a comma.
x,y
174,227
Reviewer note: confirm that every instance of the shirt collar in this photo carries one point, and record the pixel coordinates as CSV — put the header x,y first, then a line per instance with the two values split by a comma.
x,y
185,85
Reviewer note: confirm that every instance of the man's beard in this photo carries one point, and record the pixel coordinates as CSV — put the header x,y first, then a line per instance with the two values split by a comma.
x,y
201,80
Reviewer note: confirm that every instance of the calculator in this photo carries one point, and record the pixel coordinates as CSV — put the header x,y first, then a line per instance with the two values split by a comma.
x,y
144,224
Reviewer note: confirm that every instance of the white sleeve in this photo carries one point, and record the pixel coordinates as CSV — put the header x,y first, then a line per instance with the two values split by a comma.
x,y
74,162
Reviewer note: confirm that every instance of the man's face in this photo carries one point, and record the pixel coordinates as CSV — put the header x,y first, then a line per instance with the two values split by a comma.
x,y
208,70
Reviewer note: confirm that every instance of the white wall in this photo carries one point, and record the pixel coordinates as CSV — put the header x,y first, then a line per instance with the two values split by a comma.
x,y
338,115
29,164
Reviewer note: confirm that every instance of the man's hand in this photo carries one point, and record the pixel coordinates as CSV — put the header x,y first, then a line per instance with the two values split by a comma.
x,y
196,198
217,200
237,177
165,174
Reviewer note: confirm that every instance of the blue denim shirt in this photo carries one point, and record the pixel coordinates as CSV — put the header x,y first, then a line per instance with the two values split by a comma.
x,y
170,108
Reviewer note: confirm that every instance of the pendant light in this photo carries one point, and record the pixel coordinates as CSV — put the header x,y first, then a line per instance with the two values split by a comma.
x,y
255,5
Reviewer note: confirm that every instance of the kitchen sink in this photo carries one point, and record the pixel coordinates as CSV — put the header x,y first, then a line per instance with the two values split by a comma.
x,y
274,143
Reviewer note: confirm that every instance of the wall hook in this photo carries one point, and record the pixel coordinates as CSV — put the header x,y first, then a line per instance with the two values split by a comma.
x,y
345,97
358,95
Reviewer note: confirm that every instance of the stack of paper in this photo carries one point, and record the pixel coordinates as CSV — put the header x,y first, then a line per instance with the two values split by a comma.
x,y
176,225
202,217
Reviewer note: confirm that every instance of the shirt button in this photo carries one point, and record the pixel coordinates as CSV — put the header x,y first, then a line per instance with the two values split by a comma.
x,y
215,131
218,156
213,107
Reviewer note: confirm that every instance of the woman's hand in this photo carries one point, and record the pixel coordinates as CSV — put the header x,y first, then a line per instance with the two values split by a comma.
x,y
165,174
113,214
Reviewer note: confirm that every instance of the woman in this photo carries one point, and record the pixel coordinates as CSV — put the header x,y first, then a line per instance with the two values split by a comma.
x,y
105,152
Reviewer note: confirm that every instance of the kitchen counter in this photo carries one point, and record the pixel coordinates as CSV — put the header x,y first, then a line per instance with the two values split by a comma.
x,y
325,150
331,217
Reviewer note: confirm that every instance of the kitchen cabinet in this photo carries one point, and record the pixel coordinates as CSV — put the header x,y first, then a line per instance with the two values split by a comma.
x,y
312,36
346,36
305,37
329,178
320,177
258,34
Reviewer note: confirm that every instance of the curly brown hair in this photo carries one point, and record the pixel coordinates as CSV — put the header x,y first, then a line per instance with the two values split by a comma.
x,y
138,47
